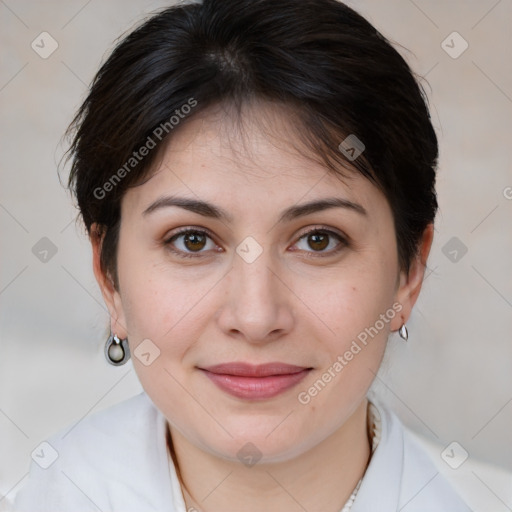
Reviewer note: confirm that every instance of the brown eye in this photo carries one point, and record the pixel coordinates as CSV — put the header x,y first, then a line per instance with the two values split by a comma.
x,y
322,241
318,241
190,242
194,241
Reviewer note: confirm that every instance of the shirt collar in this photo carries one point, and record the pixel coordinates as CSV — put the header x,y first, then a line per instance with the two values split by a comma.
x,y
382,479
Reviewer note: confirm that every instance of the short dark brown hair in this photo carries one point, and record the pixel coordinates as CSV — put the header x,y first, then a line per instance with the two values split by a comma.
x,y
331,66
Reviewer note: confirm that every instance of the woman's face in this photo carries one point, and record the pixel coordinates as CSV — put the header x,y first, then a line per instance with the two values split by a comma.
x,y
260,278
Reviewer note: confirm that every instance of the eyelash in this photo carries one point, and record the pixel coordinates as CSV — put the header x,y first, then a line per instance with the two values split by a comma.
x,y
311,254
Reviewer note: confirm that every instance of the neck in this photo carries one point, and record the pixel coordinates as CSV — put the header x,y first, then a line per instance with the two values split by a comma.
x,y
322,478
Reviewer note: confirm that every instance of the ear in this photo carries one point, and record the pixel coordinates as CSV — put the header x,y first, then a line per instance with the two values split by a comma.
x,y
111,296
409,286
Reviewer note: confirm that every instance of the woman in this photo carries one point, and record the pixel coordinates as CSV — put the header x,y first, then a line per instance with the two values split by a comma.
x,y
257,178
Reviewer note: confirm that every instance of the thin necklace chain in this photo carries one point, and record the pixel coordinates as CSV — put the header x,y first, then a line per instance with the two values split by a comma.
x,y
375,427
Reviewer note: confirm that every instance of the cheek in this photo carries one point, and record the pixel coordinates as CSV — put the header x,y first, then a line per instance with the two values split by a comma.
x,y
350,302
357,309
358,312
160,303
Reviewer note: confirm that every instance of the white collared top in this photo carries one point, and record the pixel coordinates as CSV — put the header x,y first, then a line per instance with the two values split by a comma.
x,y
117,460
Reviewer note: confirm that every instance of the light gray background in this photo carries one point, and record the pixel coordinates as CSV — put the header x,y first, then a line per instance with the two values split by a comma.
x,y
451,382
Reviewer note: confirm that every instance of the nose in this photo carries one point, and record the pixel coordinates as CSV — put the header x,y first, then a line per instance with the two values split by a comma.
x,y
258,305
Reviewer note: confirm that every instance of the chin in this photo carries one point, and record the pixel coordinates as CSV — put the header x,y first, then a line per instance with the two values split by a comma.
x,y
262,442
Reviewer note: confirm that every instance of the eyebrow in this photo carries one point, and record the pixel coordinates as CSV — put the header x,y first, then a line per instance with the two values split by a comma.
x,y
209,210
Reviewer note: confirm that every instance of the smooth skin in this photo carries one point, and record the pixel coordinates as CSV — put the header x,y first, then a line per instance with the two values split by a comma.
x,y
302,301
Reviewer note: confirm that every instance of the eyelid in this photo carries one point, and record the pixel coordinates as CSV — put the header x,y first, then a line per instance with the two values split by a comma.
x,y
325,229
188,229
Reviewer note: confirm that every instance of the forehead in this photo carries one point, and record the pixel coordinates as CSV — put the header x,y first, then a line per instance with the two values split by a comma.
x,y
258,155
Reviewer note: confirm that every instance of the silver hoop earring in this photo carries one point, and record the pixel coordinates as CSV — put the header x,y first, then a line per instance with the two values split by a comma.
x,y
117,351
403,332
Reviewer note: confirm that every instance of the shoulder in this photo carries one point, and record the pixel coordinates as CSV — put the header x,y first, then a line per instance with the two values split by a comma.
x,y
103,433
423,488
400,475
95,462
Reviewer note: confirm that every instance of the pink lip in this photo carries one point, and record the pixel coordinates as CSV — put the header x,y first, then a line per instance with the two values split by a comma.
x,y
263,381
